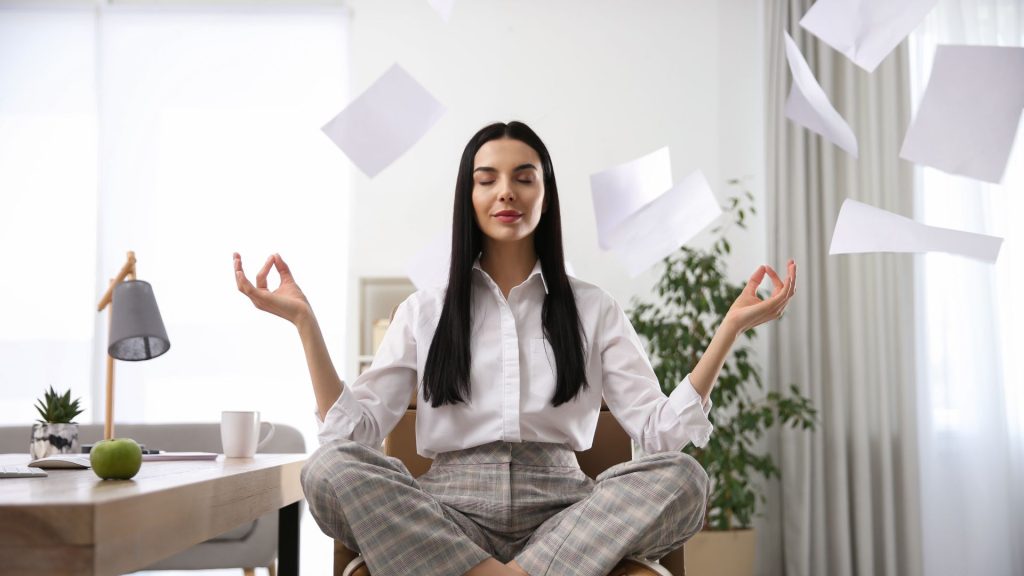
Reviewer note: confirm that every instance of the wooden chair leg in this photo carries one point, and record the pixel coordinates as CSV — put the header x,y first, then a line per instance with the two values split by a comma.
x,y
249,571
272,569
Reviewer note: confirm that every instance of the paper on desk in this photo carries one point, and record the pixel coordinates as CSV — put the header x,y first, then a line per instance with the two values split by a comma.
x,y
808,106
620,191
663,225
443,8
866,31
384,121
428,268
970,111
864,228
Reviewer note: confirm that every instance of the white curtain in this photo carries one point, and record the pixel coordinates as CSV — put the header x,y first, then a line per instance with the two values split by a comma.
x,y
971,399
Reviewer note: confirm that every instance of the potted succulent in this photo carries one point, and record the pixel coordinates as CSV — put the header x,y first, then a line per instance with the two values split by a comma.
x,y
692,296
55,433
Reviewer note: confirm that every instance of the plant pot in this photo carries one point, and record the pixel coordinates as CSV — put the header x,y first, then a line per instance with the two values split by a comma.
x,y
721,553
50,439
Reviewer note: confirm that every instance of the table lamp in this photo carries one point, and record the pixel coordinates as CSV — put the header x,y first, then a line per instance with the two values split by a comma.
x,y
136,329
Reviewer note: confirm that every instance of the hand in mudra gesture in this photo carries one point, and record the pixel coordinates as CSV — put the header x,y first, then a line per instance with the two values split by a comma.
x,y
287,301
749,310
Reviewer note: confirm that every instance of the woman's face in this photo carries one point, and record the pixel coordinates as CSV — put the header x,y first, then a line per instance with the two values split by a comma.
x,y
508,190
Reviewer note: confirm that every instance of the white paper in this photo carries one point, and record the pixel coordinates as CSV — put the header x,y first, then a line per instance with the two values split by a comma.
x,y
866,31
443,8
663,225
863,228
620,191
428,268
968,117
384,121
809,107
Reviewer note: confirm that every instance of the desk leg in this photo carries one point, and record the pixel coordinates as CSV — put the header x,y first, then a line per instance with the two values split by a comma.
x,y
288,540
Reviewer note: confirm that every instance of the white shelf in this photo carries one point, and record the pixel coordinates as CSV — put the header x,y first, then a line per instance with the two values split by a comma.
x,y
378,298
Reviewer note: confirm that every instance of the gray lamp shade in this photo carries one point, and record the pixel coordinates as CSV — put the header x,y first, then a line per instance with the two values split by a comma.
x,y
136,329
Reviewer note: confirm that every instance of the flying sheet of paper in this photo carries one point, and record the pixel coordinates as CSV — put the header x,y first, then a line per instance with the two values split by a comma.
x,y
428,268
620,191
968,117
663,225
443,8
384,121
808,106
866,31
864,228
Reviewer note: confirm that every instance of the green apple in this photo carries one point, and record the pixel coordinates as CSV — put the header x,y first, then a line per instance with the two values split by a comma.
x,y
116,459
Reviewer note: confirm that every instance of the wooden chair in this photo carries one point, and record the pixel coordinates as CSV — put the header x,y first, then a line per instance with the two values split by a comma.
x,y
611,446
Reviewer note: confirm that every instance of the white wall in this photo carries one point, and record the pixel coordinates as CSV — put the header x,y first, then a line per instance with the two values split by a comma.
x,y
602,82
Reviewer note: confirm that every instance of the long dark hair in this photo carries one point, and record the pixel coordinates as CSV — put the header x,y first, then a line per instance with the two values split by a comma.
x,y
446,374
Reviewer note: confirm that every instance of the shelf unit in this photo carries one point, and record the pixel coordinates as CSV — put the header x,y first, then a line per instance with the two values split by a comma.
x,y
378,298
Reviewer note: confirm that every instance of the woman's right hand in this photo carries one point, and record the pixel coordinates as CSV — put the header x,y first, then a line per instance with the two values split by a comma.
x,y
287,301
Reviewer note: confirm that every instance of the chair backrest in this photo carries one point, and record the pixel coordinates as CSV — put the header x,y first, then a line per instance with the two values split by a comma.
x,y
611,445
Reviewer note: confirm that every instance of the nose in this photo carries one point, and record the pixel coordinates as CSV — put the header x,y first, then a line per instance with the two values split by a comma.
x,y
505,193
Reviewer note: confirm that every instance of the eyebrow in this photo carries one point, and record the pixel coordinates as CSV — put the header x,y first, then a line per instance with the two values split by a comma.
x,y
526,166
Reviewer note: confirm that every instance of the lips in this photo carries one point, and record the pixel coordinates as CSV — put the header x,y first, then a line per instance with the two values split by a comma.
x,y
508,216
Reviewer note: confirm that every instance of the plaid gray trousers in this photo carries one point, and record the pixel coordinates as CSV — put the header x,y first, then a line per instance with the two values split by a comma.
x,y
528,501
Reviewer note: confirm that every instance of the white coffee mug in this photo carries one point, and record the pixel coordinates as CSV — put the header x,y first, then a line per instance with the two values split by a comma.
x,y
240,432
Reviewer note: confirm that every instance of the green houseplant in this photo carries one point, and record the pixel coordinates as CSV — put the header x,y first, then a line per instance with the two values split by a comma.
x,y
692,296
55,432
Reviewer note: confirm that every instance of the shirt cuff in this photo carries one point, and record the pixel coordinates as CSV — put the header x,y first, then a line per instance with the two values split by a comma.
x,y
341,419
692,412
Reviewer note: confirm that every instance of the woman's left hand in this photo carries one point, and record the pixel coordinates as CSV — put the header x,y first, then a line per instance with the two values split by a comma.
x,y
749,310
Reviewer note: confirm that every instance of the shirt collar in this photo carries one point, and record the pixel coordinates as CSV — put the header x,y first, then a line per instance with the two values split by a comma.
x,y
537,271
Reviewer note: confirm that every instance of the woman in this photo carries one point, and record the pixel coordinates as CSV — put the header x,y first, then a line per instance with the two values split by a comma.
x,y
510,364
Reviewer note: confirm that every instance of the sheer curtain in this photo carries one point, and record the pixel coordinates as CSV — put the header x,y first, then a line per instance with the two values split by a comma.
x,y
971,397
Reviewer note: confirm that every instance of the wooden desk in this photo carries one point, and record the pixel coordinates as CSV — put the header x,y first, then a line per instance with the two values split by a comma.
x,y
71,522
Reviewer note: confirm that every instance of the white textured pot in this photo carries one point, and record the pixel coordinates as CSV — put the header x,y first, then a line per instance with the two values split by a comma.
x,y
50,439
721,553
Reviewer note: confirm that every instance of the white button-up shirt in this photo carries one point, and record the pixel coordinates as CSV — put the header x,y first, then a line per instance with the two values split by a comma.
x,y
512,378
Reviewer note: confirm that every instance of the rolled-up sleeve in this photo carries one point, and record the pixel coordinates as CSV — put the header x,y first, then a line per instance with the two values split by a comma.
x,y
370,407
657,422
